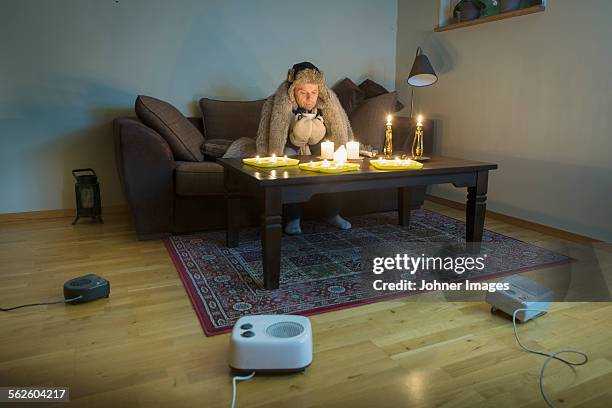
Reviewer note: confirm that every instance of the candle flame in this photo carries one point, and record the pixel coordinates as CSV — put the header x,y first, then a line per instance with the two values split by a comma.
x,y
388,118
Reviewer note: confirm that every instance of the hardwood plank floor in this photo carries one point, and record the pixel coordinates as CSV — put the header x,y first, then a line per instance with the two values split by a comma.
x,y
144,347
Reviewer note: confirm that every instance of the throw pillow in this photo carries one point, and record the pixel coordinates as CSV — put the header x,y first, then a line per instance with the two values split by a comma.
x,y
349,94
373,89
182,136
230,119
368,120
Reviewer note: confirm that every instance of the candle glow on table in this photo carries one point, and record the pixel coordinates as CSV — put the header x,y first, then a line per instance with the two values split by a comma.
x,y
271,161
396,164
327,150
338,165
352,150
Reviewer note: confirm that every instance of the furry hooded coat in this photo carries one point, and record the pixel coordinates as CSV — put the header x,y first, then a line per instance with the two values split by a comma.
x,y
277,113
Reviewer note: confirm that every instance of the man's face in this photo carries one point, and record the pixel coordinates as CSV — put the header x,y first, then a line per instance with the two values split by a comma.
x,y
306,95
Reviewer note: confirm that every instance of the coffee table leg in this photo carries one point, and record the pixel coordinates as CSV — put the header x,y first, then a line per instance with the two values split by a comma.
x,y
232,199
271,234
475,212
408,198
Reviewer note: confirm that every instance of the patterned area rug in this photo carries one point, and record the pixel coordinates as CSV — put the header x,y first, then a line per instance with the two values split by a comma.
x,y
322,269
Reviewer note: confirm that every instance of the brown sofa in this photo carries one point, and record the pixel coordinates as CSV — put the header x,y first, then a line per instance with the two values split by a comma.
x,y
167,195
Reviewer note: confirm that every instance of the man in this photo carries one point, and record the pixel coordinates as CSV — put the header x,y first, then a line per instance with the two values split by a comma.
x,y
295,120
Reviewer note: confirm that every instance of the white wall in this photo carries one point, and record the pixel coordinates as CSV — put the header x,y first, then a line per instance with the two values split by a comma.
x,y
533,94
70,66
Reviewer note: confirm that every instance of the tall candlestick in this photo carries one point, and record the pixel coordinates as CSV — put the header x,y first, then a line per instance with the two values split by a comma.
x,y
327,150
352,149
417,143
388,149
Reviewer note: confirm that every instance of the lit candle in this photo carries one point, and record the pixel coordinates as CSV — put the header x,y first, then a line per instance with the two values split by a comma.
x,y
388,148
327,150
325,163
352,150
257,159
340,156
420,120
285,158
273,159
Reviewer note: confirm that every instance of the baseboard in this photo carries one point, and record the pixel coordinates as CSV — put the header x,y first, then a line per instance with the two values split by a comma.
x,y
545,229
61,213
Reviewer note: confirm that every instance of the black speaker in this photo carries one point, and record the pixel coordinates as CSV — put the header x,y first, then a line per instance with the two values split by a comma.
x,y
88,287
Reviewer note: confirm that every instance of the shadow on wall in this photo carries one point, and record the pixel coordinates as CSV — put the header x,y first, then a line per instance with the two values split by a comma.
x,y
71,129
441,53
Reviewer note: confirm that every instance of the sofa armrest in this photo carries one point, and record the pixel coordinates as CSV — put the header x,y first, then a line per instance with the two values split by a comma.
x,y
146,168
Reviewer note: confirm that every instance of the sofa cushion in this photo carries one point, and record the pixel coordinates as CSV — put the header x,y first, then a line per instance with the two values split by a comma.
x,y
230,119
368,120
198,178
215,148
182,136
349,94
373,89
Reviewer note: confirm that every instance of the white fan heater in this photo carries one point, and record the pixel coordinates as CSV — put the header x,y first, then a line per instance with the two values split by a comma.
x,y
272,343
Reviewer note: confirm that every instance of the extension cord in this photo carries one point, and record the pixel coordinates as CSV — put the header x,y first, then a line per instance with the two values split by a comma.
x,y
549,356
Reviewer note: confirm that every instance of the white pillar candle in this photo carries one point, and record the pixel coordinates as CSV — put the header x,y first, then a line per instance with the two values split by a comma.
x,y
327,150
352,150
273,159
340,155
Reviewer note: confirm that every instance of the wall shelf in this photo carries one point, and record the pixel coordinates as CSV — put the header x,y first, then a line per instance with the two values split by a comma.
x,y
500,16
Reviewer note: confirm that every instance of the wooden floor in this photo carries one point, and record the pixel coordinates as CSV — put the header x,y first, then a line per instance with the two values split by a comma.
x,y
144,345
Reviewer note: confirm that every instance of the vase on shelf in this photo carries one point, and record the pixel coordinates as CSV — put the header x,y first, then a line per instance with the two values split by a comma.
x,y
509,5
467,10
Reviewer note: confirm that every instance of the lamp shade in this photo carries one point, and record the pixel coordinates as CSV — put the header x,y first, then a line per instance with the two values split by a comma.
x,y
422,73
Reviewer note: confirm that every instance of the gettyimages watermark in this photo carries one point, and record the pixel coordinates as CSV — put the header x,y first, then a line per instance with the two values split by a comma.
x,y
447,271
411,264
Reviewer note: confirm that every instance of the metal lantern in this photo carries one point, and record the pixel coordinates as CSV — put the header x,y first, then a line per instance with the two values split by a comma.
x,y
87,190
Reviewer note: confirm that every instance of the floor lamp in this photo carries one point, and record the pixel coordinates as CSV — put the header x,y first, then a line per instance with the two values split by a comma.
x,y
422,74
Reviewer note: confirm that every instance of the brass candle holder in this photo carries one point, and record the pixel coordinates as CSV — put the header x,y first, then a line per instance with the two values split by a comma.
x,y
388,149
417,142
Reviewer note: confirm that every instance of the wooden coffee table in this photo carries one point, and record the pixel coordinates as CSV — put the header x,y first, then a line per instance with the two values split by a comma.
x,y
273,188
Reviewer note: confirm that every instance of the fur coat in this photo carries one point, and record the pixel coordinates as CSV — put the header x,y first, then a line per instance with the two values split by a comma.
x,y
277,116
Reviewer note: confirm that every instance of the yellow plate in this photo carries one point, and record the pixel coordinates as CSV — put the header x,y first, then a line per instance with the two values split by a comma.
x,y
392,165
332,168
267,162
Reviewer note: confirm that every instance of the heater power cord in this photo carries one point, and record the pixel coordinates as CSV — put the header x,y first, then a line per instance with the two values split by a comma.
x,y
239,378
549,356
2,309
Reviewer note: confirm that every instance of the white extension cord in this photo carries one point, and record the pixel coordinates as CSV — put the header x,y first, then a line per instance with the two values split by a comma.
x,y
549,356
239,378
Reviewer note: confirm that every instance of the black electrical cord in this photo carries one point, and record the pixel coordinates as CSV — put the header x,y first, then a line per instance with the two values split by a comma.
x,y
40,304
